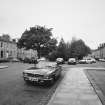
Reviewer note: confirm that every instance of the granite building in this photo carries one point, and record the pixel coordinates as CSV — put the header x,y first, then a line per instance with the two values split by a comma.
x,y
8,49
100,52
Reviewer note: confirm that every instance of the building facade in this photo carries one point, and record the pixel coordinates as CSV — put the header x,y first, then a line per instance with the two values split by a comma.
x,y
100,52
22,53
8,49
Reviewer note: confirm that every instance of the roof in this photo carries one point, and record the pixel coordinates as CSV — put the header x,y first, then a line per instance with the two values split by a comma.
x,y
7,41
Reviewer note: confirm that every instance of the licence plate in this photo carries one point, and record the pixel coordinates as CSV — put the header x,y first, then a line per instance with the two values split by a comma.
x,y
33,79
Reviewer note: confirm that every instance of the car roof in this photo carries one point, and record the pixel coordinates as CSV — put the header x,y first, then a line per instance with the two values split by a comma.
x,y
44,64
72,58
59,58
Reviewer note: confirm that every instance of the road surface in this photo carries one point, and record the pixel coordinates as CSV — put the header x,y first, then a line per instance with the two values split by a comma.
x,y
14,91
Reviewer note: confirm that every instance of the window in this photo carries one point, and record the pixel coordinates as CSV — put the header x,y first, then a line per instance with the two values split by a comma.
x,y
1,44
1,54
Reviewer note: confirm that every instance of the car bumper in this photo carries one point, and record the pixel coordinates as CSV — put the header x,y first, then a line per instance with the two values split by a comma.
x,y
82,62
72,63
37,80
59,62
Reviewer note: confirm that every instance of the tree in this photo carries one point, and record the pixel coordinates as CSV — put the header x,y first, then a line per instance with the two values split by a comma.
x,y
5,37
68,50
61,50
38,38
49,47
79,49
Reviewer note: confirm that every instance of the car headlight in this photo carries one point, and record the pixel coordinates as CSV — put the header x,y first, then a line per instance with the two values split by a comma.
x,y
46,77
25,74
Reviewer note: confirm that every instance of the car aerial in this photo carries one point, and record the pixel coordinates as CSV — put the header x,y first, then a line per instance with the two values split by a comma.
x,y
59,61
42,74
72,61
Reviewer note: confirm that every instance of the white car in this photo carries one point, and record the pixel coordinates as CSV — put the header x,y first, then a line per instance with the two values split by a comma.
x,y
42,59
72,61
87,61
59,61
93,60
82,61
90,60
102,60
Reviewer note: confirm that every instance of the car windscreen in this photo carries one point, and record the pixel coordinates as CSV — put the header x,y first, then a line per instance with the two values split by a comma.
x,y
46,64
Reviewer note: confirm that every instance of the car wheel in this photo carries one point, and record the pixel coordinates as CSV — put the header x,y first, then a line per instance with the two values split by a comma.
x,y
52,81
26,81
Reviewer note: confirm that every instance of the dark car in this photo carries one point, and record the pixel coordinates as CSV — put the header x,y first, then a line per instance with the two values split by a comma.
x,y
44,74
30,60
15,60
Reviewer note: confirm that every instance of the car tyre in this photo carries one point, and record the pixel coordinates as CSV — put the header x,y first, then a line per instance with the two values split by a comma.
x,y
52,81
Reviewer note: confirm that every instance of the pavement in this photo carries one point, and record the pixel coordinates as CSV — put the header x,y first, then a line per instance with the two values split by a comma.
x,y
75,89
2,67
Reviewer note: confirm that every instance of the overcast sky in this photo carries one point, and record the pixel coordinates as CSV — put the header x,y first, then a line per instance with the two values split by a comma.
x,y
83,19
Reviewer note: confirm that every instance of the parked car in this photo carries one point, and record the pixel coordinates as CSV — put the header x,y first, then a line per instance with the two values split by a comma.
x,y
93,60
82,61
87,61
42,59
15,60
44,74
102,60
90,60
30,60
27,60
59,60
72,61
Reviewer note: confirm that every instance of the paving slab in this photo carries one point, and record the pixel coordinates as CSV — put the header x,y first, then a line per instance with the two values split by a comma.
x,y
2,67
75,89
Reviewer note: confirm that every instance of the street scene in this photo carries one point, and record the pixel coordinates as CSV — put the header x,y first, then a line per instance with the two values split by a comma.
x,y
52,52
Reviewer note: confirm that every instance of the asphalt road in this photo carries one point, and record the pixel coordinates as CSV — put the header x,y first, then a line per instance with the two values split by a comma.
x,y
14,91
